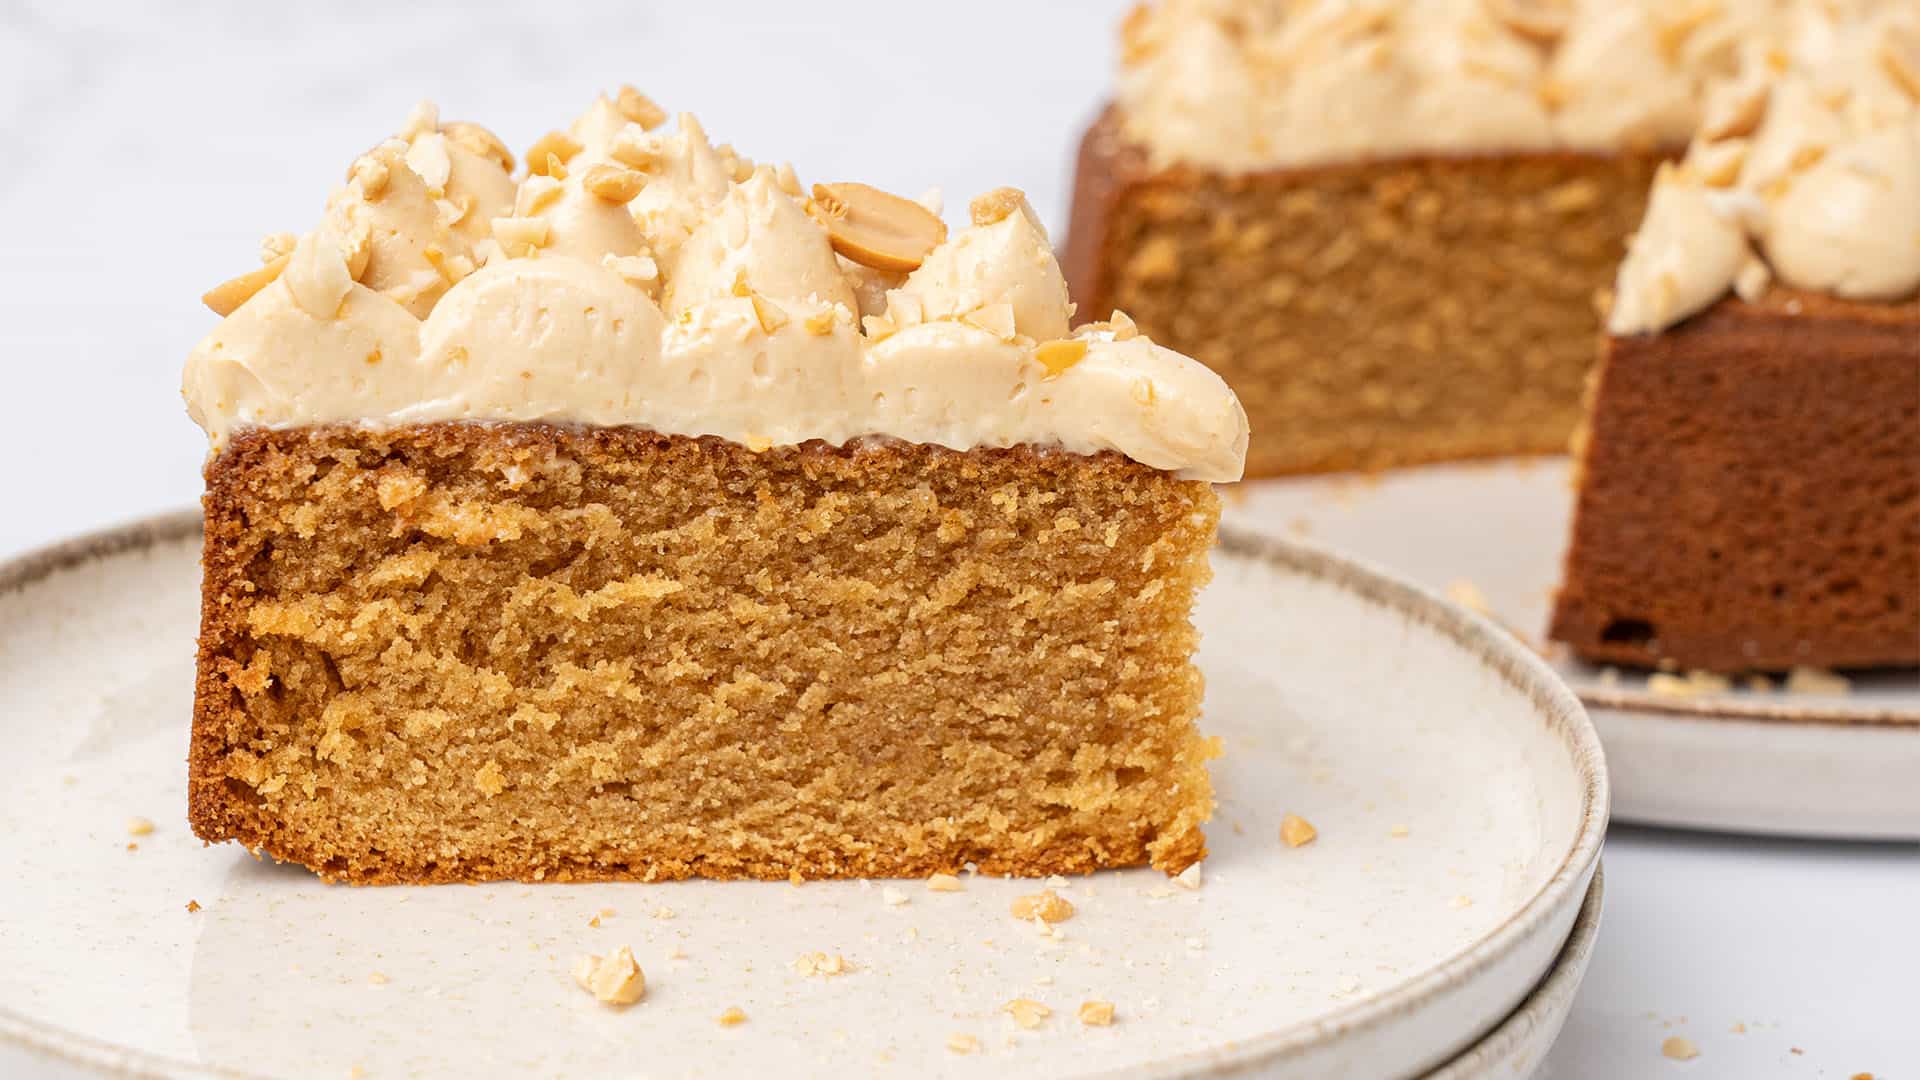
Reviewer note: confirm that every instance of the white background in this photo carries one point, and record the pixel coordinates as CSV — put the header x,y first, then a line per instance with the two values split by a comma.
x,y
150,146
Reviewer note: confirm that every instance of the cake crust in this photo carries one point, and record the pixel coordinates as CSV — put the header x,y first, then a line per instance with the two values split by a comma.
x,y
461,652
1373,313
1750,491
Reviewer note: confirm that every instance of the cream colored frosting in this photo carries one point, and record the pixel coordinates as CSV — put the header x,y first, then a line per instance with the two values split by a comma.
x,y
1806,171
1236,85
707,303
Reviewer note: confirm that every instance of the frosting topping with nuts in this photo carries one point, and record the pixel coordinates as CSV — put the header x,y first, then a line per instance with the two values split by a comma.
x,y
1236,85
641,276
1806,170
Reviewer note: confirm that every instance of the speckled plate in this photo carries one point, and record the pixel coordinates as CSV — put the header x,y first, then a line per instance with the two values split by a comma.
x,y
1457,786
1745,760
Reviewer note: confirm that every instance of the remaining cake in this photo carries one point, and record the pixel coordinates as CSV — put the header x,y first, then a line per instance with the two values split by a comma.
x,y
645,517
1750,483
1387,222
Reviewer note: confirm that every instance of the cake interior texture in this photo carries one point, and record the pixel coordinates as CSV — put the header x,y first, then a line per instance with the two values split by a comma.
x,y
473,651
1750,491
1369,314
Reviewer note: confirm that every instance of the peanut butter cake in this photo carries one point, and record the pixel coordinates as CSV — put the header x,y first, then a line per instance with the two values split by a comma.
x,y
1750,483
650,515
1386,222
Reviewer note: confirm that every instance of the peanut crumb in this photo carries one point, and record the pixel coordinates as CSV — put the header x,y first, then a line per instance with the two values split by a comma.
x,y
1027,1012
822,965
378,978
962,1044
1679,1048
820,323
225,298
1046,905
1096,1013
944,883
995,205
1296,831
733,1017
892,897
639,108
139,826
549,149
613,183
520,236
1058,356
612,980
1692,684
769,315
1188,878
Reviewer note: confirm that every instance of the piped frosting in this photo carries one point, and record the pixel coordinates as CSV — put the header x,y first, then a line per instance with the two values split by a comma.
x,y
1806,171
1237,85
641,276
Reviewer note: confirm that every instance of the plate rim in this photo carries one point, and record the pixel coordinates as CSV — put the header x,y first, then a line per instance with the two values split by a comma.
x,y
1495,649
1568,971
1734,709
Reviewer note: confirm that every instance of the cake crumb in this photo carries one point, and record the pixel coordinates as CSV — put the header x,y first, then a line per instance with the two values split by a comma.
x,y
1027,1012
1462,901
193,906
1758,683
131,846
378,978
1399,832
892,897
139,826
1046,905
822,965
962,1044
664,912
1297,831
1679,1048
594,922
943,883
1692,684
1811,680
1096,1013
733,1017
612,980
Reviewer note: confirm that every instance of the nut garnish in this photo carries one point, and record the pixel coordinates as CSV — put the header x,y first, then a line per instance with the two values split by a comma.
x,y
1096,1013
820,323
480,141
613,183
274,245
226,297
769,314
1541,20
520,236
554,145
638,270
534,194
1046,905
875,228
1296,831
995,205
1027,1012
1058,356
371,174
639,108
612,980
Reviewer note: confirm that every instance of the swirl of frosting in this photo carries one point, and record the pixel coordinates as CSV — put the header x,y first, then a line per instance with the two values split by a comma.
x,y
396,311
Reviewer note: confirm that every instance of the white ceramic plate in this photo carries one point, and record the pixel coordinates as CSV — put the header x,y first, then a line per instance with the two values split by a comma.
x,y
1457,786
1744,760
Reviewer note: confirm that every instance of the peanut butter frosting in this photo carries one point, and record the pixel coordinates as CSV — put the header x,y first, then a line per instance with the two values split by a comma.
x,y
1237,85
637,275
1806,170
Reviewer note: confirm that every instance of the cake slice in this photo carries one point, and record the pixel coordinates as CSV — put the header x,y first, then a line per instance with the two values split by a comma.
x,y
1388,223
1750,480
650,516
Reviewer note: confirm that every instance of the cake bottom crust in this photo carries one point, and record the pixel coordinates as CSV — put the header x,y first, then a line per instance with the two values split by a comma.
x,y
466,652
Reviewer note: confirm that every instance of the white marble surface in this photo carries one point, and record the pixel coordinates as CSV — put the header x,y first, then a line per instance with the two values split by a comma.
x,y
153,144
